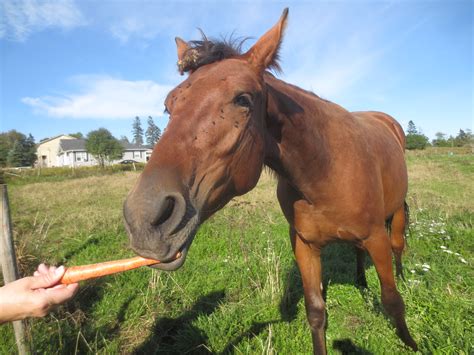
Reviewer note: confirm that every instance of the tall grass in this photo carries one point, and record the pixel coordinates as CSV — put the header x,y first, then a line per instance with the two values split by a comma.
x,y
239,290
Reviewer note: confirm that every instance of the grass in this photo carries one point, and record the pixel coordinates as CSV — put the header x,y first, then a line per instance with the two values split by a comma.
x,y
239,290
24,176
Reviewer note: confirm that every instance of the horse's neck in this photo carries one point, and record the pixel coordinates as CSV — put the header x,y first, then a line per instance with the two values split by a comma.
x,y
298,132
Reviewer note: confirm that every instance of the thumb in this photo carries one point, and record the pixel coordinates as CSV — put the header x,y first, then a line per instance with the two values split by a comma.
x,y
47,279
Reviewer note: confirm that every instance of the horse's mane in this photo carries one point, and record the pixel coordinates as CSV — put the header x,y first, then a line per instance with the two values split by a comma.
x,y
207,51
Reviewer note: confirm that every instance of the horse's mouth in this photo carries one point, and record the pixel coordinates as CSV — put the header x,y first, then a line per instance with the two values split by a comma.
x,y
184,237
179,259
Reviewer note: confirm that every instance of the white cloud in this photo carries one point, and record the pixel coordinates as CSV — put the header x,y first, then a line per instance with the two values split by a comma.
x,y
20,18
144,23
132,27
104,98
154,19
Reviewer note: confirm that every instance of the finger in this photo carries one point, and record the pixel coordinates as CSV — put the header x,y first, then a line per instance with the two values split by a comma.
x,y
48,279
73,288
36,273
58,295
42,268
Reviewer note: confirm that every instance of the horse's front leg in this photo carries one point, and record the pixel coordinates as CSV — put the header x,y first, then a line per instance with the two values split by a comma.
x,y
308,257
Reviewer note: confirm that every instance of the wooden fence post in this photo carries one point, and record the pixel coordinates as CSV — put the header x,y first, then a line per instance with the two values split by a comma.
x,y
8,262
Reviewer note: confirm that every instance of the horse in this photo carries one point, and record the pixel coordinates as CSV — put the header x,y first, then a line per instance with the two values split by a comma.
x,y
341,175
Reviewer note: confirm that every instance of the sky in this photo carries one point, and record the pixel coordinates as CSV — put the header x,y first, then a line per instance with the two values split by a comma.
x,y
75,66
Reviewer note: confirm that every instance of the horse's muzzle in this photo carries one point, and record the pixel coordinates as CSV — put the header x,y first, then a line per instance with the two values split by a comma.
x,y
160,226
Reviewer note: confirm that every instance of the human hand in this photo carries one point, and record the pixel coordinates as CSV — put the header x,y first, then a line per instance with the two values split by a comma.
x,y
36,295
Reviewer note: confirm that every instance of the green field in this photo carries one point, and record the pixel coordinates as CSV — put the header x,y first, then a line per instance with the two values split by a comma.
x,y
239,290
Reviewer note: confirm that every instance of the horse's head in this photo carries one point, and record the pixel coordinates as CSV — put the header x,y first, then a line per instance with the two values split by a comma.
x,y
212,150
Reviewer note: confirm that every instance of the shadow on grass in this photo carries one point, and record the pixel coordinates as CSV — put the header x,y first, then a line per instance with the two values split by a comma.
x,y
178,335
339,267
346,347
252,332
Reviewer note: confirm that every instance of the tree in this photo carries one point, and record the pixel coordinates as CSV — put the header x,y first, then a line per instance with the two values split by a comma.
x,y
411,128
16,149
153,132
415,139
463,138
103,146
30,151
4,149
78,135
440,140
124,139
137,131
15,155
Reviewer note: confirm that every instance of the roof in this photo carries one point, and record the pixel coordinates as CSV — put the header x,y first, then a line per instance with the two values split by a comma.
x,y
72,144
77,144
55,137
132,146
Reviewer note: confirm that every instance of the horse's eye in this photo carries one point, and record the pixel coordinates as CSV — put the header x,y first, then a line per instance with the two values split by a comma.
x,y
243,100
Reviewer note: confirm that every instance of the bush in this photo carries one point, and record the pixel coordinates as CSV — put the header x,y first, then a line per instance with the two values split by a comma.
x,y
416,141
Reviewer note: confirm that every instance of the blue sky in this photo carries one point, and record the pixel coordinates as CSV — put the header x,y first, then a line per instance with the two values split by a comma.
x,y
69,66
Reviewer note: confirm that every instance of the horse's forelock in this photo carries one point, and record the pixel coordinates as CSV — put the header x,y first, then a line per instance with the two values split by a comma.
x,y
206,51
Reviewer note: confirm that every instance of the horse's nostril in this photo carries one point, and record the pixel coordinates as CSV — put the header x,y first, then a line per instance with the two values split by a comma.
x,y
166,211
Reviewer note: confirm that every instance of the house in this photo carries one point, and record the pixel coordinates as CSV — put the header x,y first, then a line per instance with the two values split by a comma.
x,y
72,152
139,153
65,150
47,150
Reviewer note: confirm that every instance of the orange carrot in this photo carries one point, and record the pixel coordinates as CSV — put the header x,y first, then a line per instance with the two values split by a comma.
x,y
84,272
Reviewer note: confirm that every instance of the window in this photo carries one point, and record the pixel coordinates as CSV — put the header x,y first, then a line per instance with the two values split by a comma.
x,y
81,156
136,154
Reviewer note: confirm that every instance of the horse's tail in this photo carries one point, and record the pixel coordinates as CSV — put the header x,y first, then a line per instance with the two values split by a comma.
x,y
388,221
407,219
388,224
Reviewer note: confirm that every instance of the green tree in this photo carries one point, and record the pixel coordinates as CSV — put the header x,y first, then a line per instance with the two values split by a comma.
x,y
137,131
16,149
440,140
15,155
4,150
103,146
124,139
412,128
78,135
23,152
30,151
463,138
153,132
415,139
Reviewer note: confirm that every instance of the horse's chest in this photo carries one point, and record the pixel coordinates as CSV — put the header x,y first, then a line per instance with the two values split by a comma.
x,y
321,226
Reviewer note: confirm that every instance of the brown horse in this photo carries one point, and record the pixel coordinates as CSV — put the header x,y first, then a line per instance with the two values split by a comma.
x,y
341,175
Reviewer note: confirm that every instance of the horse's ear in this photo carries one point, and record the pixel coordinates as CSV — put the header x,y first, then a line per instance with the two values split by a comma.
x,y
181,46
264,53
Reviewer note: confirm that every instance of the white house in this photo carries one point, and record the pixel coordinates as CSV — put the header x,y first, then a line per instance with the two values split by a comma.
x,y
65,150
47,150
